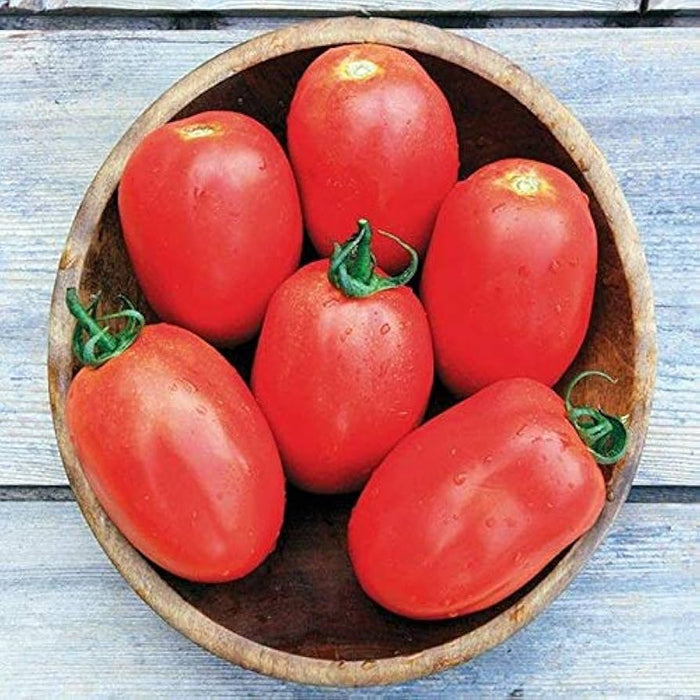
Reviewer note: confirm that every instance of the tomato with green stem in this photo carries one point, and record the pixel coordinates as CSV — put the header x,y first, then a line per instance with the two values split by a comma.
x,y
473,504
343,367
174,446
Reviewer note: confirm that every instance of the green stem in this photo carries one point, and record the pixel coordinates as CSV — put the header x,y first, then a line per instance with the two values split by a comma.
x,y
603,434
94,344
352,265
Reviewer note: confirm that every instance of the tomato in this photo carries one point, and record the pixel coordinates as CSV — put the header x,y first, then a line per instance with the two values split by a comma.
x,y
343,368
371,135
207,247
471,505
177,451
509,277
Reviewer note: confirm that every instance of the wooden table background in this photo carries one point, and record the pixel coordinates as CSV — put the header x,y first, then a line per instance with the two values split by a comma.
x,y
75,73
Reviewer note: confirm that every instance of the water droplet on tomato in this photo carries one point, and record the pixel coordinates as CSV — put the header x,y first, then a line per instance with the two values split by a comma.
x,y
385,329
521,429
348,331
554,265
488,459
262,165
402,414
453,451
460,478
188,386
557,308
201,409
550,505
330,302
518,557
173,386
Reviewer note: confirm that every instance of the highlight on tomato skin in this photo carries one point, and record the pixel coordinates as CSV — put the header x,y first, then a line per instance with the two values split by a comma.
x,y
370,134
470,506
174,446
509,276
207,247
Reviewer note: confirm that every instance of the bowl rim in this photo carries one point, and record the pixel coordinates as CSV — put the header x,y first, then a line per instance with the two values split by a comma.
x,y
498,70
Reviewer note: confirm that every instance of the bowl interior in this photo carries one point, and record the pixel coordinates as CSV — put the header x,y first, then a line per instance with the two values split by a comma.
x,y
304,598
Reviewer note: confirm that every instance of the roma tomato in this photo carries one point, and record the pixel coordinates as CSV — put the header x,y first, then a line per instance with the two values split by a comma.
x,y
509,277
474,503
175,448
207,247
371,135
343,368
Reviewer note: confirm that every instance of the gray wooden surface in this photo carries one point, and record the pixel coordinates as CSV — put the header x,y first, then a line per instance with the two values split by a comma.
x,y
329,6
628,626
675,5
67,97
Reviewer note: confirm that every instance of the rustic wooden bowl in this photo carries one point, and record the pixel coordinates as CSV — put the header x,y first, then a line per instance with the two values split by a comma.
x,y
302,616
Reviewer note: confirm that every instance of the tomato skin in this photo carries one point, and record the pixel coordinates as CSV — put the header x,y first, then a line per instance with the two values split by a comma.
x,y
207,247
509,278
383,147
179,455
340,379
471,505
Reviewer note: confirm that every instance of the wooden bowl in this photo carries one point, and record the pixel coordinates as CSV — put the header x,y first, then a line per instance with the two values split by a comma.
x,y
301,615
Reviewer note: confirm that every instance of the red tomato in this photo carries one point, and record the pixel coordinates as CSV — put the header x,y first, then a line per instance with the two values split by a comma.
x,y
341,379
179,455
509,277
470,506
370,134
206,244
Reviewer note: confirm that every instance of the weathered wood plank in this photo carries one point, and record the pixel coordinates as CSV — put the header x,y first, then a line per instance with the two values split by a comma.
x,y
67,96
675,5
329,6
627,626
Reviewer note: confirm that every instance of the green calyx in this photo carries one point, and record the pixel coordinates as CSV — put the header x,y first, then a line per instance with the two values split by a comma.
x,y
603,434
352,265
94,344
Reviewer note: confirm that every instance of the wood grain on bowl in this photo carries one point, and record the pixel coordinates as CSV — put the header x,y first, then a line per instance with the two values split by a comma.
x,y
302,616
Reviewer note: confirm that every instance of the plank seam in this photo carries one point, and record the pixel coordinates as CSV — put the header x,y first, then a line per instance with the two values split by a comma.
x,y
170,21
638,494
